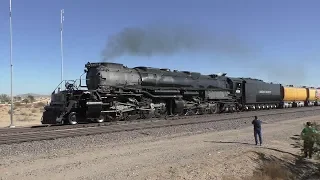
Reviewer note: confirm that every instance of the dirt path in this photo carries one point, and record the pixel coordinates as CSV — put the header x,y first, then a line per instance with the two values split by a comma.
x,y
202,156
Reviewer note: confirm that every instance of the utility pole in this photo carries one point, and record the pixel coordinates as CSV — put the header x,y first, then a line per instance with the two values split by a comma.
x,y
61,43
11,67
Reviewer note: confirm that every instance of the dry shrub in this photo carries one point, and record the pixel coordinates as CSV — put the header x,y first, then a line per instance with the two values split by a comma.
x,y
28,106
272,171
25,119
23,114
39,105
17,104
9,112
33,110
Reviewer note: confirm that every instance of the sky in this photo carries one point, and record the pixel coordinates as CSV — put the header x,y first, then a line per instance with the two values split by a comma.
x,y
276,41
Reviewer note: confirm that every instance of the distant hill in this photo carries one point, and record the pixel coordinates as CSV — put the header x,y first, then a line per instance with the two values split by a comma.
x,y
32,94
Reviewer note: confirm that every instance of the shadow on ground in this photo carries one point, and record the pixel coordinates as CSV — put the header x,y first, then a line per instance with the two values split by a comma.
x,y
297,143
273,167
263,147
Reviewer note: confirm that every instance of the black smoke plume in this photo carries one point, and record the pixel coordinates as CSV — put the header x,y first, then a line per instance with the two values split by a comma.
x,y
283,72
168,40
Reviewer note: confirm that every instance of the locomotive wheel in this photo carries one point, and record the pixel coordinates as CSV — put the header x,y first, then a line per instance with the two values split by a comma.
x,y
160,112
211,110
100,119
61,121
125,117
189,112
217,109
72,118
146,114
133,117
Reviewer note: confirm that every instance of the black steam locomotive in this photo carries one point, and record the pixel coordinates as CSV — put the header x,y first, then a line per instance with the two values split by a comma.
x,y
115,92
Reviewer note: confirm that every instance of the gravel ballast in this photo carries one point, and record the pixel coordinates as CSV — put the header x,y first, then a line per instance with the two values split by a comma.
x,y
51,147
197,151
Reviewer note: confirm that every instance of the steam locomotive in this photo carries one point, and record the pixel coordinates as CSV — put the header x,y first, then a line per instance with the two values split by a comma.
x,y
114,92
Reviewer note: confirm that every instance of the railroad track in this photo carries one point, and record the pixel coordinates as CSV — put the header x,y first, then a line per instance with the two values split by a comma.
x,y
25,135
37,128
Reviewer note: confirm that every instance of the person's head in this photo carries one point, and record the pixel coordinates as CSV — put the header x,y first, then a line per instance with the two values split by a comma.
x,y
255,117
308,123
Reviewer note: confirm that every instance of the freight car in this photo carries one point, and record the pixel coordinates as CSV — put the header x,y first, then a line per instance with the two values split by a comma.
x,y
299,96
115,92
313,97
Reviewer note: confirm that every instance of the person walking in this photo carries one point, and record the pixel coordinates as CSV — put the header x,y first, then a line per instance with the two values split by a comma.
x,y
308,136
257,130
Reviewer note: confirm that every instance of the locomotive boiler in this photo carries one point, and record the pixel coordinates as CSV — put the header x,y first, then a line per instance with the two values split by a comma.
x,y
116,92
175,92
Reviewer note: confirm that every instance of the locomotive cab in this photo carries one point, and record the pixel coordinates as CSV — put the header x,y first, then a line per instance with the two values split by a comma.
x,y
55,108
71,106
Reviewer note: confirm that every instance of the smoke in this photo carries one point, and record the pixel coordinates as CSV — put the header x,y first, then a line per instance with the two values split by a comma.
x,y
284,72
168,40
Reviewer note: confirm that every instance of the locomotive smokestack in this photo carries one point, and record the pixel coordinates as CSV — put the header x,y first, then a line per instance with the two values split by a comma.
x,y
161,40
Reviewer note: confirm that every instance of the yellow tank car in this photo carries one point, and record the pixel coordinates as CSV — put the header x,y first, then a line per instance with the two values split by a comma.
x,y
312,94
318,94
294,94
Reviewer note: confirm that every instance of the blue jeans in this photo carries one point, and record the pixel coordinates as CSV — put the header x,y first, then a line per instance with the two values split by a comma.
x,y
257,132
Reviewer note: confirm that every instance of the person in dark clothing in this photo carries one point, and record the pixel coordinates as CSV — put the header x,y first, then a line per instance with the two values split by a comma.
x,y
257,130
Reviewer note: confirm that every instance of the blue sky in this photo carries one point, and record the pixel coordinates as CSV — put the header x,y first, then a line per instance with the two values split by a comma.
x,y
282,37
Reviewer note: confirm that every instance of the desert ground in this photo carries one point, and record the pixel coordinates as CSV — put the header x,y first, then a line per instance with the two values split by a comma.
x,y
25,114
222,155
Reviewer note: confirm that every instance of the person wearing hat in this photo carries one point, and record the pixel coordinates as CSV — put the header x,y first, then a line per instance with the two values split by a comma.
x,y
308,136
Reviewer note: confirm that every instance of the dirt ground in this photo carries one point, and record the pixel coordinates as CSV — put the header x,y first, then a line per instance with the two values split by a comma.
x,y
217,155
24,114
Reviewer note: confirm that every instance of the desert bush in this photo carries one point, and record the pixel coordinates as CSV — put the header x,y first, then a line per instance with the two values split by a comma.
x,y
25,118
33,111
17,98
4,98
14,108
269,170
31,98
26,101
272,171
39,105
17,104
23,114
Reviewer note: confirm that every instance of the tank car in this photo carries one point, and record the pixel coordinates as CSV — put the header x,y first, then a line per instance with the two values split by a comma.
x,y
317,96
313,96
116,92
294,96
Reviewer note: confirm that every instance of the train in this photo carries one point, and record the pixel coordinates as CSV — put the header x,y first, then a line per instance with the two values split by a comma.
x,y
115,92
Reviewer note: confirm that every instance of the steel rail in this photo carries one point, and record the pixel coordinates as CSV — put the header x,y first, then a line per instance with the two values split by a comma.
x,y
63,133
5,131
